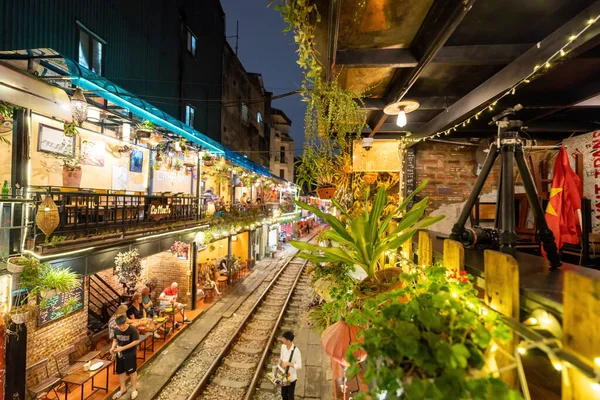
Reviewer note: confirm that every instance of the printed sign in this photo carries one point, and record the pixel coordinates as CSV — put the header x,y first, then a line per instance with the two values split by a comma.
x,y
159,211
410,173
53,140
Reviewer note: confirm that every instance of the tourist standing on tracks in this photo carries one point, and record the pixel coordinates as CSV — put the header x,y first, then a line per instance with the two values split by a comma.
x,y
125,348
290,361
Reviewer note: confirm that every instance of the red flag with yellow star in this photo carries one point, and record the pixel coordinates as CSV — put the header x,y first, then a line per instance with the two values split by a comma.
x,y
564,207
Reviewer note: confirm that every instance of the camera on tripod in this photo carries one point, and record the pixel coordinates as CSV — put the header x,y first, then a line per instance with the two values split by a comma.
x,y
481,238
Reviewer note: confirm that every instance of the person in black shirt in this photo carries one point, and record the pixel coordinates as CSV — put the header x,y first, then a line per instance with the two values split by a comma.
x,y
125,347
136,310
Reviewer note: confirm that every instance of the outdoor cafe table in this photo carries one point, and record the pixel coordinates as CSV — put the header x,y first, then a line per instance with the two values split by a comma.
x,y
81,377
89,356
150,326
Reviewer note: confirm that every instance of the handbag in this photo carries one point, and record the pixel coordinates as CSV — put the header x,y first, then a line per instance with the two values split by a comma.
x,y
277,378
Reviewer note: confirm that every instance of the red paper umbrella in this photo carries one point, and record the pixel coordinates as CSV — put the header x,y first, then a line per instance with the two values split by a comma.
x,y
337,338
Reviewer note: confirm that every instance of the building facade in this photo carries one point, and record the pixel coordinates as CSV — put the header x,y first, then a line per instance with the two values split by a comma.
x,y
281,146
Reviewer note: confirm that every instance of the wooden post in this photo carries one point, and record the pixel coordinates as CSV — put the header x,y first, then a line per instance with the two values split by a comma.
x,y
454,255
502,294
581,333
407,250
425,250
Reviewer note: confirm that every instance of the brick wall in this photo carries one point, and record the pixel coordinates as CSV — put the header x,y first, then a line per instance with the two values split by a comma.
x,y
164,268
450,171
56,336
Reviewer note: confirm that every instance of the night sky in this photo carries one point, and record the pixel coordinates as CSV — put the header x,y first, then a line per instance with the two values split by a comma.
x,y
265,49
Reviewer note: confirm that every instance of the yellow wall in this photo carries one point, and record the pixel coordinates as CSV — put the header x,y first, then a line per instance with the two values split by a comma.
x,y
239,248
6,159
47,171
219,252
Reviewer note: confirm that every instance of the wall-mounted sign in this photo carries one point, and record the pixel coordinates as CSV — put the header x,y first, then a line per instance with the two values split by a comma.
x,y
54,305
410,173
382,156
159,210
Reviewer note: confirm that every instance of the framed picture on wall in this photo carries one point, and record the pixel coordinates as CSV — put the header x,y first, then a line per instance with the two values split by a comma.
x,y
137,161
53,140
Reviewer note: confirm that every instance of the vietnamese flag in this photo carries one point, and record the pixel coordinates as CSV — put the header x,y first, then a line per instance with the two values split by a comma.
x,y
564,208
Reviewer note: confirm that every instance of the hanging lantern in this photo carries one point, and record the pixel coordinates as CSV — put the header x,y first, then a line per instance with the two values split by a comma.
x,y
47,217
79,107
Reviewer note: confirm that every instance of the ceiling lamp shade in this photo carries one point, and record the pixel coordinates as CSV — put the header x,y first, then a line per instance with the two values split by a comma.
x,y
401,108
79,107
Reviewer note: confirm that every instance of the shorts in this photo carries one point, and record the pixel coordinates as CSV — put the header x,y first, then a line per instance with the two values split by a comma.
x,y
127,364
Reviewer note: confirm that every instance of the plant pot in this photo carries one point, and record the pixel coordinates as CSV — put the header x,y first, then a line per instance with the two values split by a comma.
x,y
370,178
47,294
326,193
143,133
19,318
12,265
208,163
71,177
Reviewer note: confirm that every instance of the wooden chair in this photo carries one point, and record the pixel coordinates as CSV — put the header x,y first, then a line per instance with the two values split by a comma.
x,y
221,280
66,362
46,383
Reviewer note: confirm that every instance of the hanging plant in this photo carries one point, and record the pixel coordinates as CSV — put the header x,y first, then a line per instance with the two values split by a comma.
x,y
178,166
128,268
180,249
145,129
70,129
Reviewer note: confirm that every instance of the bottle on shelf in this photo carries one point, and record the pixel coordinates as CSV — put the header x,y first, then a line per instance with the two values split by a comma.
x,y
5,190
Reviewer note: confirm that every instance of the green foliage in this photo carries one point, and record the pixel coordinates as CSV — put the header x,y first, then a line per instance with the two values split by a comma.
x,y
364,239
54,240
56,278
427,347
146,125
70,129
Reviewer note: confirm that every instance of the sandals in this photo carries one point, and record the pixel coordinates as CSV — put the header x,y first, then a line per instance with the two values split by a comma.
x,y
134,395
117,395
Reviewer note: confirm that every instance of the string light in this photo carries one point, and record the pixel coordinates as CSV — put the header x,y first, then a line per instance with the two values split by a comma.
x,y
512,90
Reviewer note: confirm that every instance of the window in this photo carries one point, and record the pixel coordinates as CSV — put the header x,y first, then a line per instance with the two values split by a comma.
x,y
258,117
282,154
191,42
91,50
244,112
189,114
282,173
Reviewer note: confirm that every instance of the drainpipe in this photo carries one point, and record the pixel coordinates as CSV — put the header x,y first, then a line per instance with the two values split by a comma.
x,y
194,274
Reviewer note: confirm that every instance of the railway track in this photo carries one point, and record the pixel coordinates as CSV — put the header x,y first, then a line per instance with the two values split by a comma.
x,y
237,363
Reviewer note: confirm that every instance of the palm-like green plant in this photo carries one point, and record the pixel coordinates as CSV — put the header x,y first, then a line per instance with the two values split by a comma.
x,y
364,239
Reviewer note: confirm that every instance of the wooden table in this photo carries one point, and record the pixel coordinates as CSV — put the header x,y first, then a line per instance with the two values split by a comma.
x,y
89,356
81,377
151,327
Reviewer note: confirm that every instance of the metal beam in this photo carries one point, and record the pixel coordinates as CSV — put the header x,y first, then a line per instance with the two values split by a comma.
x,y
426,103
392,127
519,69
496,54
441,21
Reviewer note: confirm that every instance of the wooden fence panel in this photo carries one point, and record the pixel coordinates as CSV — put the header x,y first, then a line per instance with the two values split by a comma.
x,y
425,250
581,333
502,294
454,255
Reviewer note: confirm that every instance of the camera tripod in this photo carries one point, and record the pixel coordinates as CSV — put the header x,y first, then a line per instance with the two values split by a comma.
x,y
509,147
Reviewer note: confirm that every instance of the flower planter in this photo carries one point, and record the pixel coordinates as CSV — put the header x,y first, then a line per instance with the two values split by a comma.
x,y
47,294
71,177
19,318
143,133
326,193
12,265
208,163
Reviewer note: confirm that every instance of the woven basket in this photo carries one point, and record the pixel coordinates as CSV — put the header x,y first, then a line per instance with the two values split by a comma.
x,y
47,218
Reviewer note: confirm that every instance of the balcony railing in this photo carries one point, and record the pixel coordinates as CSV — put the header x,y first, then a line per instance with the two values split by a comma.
x,y
85,214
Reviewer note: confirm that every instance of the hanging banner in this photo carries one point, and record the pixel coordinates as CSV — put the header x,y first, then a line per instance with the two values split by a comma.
x,y
382,156
588,144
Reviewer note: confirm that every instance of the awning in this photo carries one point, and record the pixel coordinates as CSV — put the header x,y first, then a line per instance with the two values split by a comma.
x,y
55,63
26,91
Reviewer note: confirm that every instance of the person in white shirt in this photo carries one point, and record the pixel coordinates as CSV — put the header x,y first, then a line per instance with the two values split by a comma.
x,y
290,361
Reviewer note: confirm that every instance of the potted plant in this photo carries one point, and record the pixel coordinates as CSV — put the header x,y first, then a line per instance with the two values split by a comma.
x,y
190,159
71,172
128,268
144,130
16,264
70,129
208,160
180,249
178,166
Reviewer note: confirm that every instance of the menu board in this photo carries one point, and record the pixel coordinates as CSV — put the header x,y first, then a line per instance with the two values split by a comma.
x,y
410,173
52,311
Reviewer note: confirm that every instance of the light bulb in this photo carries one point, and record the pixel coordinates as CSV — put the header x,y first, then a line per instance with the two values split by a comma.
x,y
401,121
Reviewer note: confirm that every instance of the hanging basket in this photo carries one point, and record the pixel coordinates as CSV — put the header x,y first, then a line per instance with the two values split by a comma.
x,y
47,218
208,163
19,318
143,133
190,160
13,265
326,193
370,178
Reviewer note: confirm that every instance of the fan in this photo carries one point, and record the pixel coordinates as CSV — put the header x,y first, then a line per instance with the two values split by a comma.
x,y
481,154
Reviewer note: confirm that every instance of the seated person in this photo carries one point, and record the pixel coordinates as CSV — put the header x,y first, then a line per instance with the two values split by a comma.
x,y
136,310
112,324
244,199
147,302
223,267
168,298
209,283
